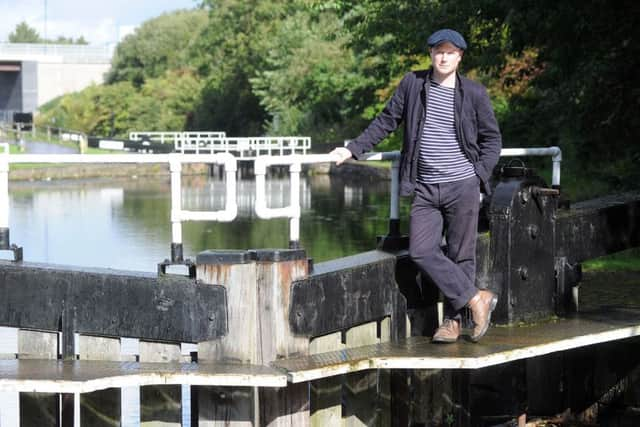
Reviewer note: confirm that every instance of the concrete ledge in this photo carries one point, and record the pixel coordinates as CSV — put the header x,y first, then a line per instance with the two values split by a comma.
x,y
56,376
500,345
82,171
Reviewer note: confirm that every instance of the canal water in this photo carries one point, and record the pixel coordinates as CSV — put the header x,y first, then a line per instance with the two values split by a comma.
x,y
125,224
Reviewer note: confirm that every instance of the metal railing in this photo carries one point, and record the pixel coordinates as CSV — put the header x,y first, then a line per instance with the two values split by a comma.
x,y
175,138
293,210
69,53
295,166
175,162
554,152
216,142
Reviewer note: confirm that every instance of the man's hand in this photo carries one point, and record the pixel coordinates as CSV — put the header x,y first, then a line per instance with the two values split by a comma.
x,y
342,153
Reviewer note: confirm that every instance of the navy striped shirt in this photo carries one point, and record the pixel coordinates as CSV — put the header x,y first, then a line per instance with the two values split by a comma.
x,y
441,157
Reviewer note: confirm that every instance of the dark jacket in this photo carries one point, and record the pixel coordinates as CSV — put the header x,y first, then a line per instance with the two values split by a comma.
x,y
476,127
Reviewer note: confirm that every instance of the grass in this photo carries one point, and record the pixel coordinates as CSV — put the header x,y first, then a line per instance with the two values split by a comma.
x,y
15,149
628,260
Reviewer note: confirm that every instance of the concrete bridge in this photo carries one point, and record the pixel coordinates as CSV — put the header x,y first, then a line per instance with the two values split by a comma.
x,y
33,74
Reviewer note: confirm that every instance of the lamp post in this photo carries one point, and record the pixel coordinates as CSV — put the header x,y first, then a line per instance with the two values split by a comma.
x,y
45,25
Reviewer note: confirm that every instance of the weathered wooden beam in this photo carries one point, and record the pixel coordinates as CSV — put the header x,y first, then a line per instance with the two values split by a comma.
x,y
599,227
499,346
84,376
347,292
110,303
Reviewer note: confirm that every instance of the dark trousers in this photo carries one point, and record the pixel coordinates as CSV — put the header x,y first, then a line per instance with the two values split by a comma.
x,y
449,209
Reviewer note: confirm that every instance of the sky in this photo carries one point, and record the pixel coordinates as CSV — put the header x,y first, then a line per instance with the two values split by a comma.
x,y
100,22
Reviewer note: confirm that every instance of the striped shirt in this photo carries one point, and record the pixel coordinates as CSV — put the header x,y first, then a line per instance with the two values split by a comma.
x,y
441,156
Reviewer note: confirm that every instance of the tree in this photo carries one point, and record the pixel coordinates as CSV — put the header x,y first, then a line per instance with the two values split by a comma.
x,y
310,82
24,34
160,44
576,58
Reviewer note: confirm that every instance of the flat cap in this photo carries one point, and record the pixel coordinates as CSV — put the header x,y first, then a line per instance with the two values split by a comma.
x,y
447,35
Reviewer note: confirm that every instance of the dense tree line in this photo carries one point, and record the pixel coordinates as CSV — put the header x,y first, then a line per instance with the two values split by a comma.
x,y
559,73
23,33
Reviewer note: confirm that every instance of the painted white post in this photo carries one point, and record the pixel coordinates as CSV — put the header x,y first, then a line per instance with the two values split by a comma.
x,y
129,396
9,400
175,168
294,221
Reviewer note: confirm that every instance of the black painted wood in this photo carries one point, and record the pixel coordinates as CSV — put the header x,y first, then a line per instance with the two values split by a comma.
x,y
110,303
344,293
599,227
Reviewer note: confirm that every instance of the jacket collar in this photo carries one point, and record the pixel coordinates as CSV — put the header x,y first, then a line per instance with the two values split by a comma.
x,y
459,94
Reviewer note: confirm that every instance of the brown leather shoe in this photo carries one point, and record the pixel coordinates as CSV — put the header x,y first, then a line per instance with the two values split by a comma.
x,y
448,332
481,305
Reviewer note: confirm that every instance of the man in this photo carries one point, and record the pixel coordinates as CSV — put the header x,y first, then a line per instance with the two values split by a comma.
x,y
451,145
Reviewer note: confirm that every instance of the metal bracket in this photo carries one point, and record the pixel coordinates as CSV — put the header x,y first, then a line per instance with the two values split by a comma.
x,y
17,252
5,245
191,267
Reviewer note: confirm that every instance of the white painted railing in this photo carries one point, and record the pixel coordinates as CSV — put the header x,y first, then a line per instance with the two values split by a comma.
x,y
178,139
295,166
215,142
295,162
554,152
175,162
293,210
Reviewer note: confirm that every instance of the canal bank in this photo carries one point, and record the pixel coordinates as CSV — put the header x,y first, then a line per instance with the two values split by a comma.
x,y
358,171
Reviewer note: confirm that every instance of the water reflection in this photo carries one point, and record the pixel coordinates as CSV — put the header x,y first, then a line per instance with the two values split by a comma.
x,y
126,224
38,147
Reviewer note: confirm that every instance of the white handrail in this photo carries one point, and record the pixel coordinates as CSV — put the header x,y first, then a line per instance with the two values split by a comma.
x,y
554,152
292,211
209,142
175,161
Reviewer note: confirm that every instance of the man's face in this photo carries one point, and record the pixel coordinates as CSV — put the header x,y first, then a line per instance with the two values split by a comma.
x,y
445,58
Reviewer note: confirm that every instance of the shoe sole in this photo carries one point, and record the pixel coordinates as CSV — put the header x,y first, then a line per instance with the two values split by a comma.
x,y
492,306
443,340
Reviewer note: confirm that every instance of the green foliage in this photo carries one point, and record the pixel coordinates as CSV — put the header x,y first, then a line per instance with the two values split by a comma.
x,y
24,34
628,260
229,52
69,40
159,45
558,73
310,82
160,104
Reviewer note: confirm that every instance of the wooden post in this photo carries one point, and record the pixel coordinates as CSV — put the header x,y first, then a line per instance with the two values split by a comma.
x,y
258,285
227,406
360,388
40,409
9,400
326,393
83,144
276,270
100,408
160,405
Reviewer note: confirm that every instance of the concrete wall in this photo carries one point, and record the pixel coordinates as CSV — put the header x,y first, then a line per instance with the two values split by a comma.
x,y
46,72
55,79
10,90
29,86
